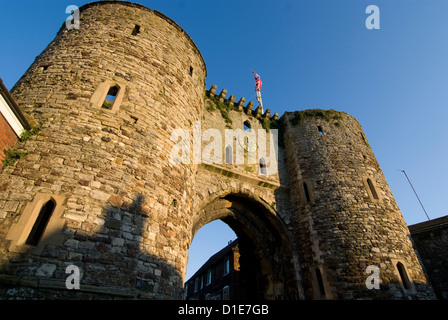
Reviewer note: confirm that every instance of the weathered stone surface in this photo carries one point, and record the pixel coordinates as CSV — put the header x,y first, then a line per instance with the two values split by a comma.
x,y
129,213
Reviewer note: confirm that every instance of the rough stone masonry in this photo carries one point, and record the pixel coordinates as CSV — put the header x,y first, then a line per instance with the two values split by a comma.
x,y
107,97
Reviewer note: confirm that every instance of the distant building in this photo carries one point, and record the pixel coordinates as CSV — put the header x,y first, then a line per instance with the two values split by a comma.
x,y
12,121
217,279
431,239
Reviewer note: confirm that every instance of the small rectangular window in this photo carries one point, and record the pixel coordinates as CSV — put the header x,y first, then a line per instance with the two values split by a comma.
x,y
403,276
134,118
191,71
196,285
209,277
226,267
110,97
307,192
226,293
321,132
246,126
320,282
136,30
372,189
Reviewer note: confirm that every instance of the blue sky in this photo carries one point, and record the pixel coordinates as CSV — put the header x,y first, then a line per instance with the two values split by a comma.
x,y
309,54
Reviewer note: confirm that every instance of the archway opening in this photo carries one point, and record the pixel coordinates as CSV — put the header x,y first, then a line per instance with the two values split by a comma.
x,y
263,261
210,239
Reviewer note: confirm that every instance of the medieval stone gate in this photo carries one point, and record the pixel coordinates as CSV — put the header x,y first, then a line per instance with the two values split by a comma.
x,y
269,266
99,189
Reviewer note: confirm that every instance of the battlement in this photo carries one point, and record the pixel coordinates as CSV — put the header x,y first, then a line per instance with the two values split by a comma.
x,y
248,109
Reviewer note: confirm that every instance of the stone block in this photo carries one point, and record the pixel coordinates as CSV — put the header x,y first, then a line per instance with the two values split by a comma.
x,y
46,270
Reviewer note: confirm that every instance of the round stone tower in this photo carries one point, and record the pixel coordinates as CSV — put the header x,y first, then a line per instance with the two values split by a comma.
x,y
97,189
346,218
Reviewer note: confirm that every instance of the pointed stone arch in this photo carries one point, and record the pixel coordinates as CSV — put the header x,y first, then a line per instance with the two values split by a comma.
x,y
268,267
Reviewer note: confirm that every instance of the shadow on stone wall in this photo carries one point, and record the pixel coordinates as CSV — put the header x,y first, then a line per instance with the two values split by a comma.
x,y
430,239
111,264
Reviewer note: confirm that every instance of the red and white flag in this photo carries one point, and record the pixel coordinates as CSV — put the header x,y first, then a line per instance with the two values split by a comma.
x,y
257,81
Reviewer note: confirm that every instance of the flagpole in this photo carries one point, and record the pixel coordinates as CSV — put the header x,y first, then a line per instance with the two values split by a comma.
x,y
415,193
258,89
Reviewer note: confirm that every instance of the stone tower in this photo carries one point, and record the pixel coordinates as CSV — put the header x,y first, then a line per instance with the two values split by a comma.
x,y
96,160
345,210
97,188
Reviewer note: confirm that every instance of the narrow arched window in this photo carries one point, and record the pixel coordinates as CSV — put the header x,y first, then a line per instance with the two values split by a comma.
x,y
110,97
319,128
263,166
246,125
307,192
362,137
229,155
41,223
320,282
404,276
372,189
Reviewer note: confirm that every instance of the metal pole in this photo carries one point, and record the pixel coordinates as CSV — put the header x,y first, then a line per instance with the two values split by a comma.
x,y
415,193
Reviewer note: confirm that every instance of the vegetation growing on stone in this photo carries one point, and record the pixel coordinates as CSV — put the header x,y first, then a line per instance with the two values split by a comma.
x,y
28,134
223,107
327,115
266,123
11,156
107,104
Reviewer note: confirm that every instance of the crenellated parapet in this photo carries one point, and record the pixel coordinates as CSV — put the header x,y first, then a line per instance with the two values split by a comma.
x,y
239,106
